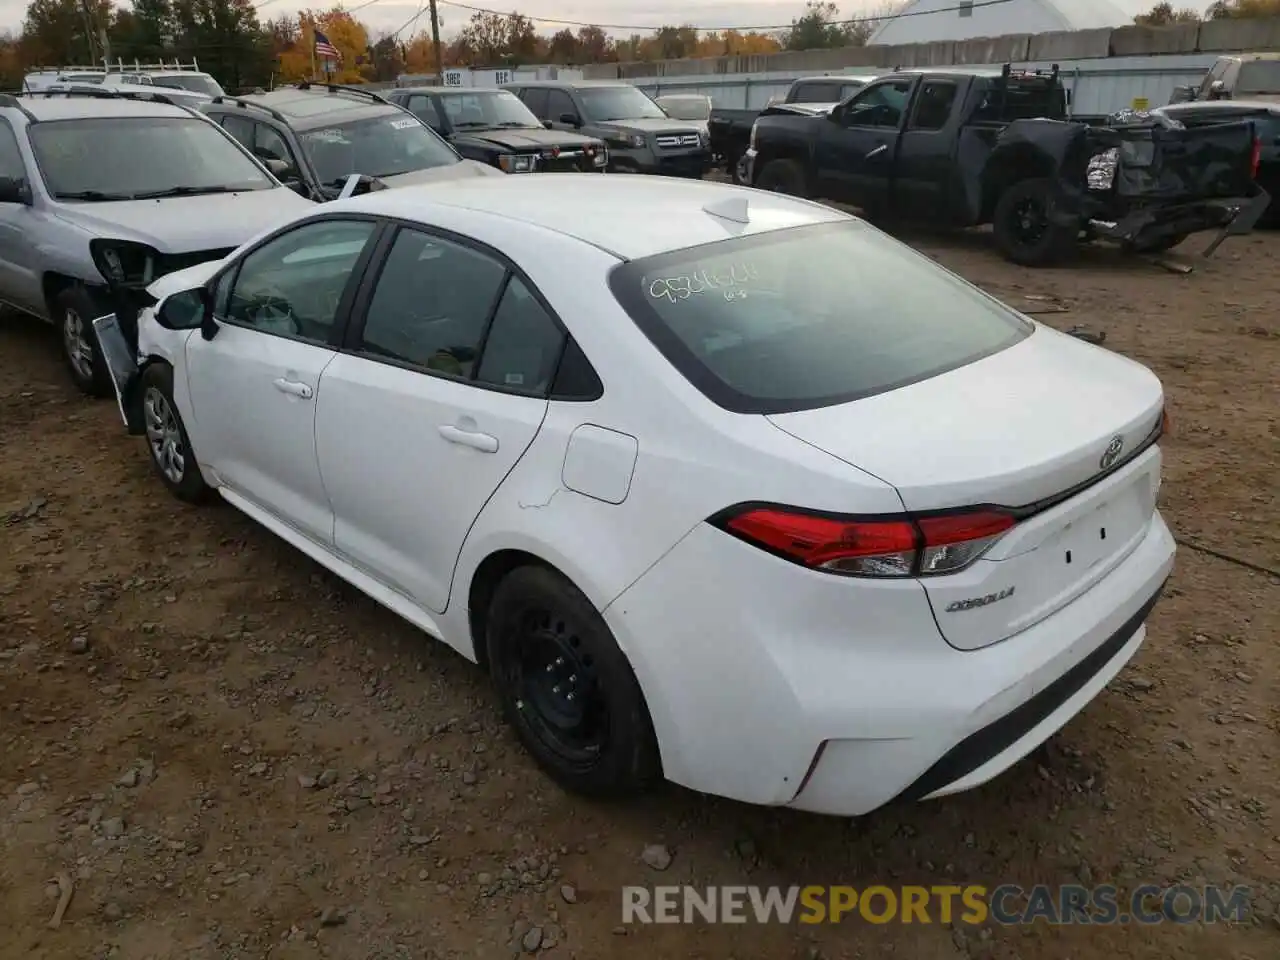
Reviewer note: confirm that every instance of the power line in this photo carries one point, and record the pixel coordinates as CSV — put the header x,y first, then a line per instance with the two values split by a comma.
x,y
977,4
637,28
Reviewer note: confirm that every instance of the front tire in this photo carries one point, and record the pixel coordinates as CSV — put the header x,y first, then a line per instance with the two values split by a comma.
x,y
1023,231
167,442
74,312
783,176
567,688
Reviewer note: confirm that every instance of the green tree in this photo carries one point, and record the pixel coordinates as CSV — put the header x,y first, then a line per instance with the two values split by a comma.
x,y
816,28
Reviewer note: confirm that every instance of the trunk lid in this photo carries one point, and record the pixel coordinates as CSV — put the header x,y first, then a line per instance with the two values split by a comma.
x,y
1049,427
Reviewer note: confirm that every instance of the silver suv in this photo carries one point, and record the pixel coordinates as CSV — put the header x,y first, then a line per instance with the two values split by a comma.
x,y
102,193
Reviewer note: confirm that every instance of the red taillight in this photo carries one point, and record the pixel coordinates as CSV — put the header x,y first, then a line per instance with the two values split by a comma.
x,y
1255,161
873,547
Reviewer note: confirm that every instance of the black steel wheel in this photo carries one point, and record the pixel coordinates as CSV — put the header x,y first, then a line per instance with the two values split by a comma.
x,y
1024,230
566,687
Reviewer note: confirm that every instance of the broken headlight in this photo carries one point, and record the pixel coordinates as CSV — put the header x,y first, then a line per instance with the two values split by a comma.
x,y
124,263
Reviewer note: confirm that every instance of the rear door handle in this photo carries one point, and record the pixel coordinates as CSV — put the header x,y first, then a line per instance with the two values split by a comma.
x,y
484,442
877,151
293,388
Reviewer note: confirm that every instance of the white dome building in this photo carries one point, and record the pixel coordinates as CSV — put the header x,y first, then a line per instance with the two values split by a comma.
x,y
974,19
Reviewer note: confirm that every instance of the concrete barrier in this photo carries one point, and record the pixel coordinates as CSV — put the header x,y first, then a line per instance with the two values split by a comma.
x,y
1058,47
1143,41
1239,35
1013,48
1069,45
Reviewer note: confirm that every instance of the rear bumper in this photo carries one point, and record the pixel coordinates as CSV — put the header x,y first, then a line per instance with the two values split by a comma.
x,y
771,684
1232,215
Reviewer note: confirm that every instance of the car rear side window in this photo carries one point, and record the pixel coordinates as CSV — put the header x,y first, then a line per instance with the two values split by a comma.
x,y
809,316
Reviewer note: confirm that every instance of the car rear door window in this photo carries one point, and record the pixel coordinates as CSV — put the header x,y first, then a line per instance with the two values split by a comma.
x,y
933,105
431,304
810,316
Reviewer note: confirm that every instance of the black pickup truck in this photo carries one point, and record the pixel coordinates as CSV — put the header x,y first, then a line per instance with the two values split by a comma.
x,y
963,148
730,130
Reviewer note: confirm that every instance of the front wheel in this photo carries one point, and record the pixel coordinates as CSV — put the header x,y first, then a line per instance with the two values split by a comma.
x,y
74,312
783,176
1023,229
567,688
167,440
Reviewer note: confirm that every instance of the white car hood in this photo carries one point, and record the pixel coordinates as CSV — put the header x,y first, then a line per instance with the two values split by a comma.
x,y
187,224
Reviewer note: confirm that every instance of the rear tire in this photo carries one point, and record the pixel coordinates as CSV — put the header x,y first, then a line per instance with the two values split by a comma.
x,y
73,312
567,688
783,176
168,445
1023,231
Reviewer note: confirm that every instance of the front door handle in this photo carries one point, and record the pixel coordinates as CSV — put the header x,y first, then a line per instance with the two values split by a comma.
x,y
484,442
293,388
877,151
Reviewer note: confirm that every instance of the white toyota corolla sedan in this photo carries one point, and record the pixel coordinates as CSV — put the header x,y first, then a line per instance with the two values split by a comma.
x,y
719,485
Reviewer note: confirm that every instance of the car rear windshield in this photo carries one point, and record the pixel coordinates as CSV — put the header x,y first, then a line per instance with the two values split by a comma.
x,y
383,146
1258,76
809,316
120,158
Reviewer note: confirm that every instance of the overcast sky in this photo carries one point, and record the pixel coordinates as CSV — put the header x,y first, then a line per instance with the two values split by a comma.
x,y
384,16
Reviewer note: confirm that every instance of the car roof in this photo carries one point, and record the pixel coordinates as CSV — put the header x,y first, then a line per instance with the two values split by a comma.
x,y
447,91
630,217
80,108
315,107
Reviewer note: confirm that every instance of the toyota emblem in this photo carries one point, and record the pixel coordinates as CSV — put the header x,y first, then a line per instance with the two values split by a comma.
x,y
1112,453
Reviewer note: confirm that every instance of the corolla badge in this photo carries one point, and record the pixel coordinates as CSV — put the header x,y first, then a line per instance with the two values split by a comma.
x,y
1112,453
975,602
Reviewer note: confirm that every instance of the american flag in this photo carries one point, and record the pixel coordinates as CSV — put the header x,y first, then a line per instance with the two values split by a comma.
x,y
326,49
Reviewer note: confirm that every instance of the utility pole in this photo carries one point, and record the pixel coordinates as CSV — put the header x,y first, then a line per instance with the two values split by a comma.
x,y
435,44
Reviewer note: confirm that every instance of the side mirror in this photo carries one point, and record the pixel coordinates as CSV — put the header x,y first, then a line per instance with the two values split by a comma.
x,y
547,124
1217,90
279,168
185,310
14,190
571,119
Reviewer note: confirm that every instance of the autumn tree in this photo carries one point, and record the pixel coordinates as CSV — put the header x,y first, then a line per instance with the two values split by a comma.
x,y
1163,14
1244,9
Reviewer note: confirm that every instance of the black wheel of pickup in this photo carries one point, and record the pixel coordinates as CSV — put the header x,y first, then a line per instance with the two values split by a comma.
x,y
783,176
1023,230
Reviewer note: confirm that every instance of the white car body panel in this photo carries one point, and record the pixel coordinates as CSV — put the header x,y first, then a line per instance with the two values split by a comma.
x,y
766,681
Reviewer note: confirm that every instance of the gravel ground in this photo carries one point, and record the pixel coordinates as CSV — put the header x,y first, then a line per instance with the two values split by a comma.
x,y
226,752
